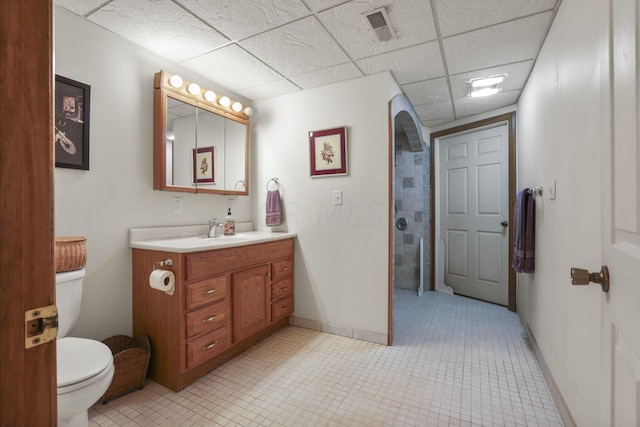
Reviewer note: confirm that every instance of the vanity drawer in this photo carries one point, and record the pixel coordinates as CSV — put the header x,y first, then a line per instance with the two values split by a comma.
x,y
206,319
205,292
281,309
207,346
281,289
281,269
199,265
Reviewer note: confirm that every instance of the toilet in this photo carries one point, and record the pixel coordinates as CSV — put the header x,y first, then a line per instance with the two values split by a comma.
x,y
84,367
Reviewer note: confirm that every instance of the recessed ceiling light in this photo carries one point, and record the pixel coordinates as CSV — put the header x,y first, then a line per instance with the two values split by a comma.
x,y
485,86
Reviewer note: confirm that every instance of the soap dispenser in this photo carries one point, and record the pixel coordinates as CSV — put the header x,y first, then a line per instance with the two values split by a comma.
x,y
229,224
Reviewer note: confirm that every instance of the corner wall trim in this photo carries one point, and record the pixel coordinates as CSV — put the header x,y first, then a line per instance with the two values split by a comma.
x,y
561,406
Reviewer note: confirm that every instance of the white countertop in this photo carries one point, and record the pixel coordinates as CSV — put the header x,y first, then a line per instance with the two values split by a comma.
x,y
193,238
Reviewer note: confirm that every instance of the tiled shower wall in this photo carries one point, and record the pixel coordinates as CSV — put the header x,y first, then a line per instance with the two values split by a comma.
x,y
412,192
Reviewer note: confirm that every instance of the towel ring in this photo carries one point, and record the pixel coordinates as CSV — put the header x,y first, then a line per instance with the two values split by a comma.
x,y
277,184
242,185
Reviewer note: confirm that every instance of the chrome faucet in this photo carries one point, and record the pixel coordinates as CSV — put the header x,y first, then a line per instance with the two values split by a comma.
x,y
214,227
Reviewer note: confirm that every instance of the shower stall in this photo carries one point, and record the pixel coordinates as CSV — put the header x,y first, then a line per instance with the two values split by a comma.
x,y
411,199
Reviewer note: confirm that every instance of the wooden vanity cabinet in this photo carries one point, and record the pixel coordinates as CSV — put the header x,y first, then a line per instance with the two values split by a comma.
x,y
225,301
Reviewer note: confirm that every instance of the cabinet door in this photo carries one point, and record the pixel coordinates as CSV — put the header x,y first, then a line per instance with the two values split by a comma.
x,y
251,301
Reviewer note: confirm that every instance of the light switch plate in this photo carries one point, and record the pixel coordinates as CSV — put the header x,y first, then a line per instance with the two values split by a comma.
x,y
551,189
337,197
177,205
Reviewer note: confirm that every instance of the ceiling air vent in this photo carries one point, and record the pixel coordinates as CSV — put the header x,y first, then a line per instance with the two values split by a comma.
x,y
378,21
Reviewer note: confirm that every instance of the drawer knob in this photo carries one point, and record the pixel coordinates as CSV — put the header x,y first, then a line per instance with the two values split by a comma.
x,y
210,346
208,319
284,289
284,268
284,308
209,292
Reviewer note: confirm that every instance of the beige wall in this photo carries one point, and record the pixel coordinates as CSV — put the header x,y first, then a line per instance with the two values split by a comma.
x,y
341,264
117,192
561,115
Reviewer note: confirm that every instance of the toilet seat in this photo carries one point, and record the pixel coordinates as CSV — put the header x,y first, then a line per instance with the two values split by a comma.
x,y
81,362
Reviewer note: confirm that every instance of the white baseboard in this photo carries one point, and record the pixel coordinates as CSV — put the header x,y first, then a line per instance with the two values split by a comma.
x,y
561,406
344,331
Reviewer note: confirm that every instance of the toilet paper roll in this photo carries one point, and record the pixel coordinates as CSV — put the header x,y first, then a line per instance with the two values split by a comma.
x,y
163,280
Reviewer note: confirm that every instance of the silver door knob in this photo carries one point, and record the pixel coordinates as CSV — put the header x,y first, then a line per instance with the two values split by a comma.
x,y
505,224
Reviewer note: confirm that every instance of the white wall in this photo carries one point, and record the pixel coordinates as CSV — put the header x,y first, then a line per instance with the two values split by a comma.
x,y
342,251
117,192
560,115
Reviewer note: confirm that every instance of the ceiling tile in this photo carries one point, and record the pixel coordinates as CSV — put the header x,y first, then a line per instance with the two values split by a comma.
x,y
327,76
517,75
264,48
318,5
296,48
268,90
427,92
457,16
432,123
407,65
81,7
501,44
410,19
160,26
469,106
240,19
435,111
233,68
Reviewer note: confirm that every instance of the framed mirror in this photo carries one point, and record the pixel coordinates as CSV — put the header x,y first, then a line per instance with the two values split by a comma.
x,y
201,139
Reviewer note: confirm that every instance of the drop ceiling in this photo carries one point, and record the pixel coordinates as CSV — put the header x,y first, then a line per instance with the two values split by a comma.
x,y
266,48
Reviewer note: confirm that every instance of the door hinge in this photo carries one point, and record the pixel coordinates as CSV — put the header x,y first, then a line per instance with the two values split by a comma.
x,y
40,325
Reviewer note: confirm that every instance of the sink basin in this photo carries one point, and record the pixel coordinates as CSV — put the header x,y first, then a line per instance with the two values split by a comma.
x,y
157,242
202,241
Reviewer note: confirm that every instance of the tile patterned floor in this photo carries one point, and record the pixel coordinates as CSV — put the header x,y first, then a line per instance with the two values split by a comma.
x,y
455,362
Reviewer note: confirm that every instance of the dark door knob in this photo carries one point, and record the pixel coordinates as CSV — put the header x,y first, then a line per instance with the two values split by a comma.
x,y
505,224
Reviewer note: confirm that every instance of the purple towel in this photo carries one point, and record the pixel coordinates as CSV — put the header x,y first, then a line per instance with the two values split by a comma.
x,y
274,212
524,233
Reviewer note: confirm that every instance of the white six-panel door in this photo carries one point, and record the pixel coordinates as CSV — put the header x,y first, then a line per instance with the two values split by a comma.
x,y
621,222
473,204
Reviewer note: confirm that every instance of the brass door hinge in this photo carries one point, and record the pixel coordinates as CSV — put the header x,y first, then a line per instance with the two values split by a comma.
x,y
40,325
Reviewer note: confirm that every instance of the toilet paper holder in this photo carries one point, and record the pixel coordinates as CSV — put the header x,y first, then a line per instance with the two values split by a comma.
x,y
168,262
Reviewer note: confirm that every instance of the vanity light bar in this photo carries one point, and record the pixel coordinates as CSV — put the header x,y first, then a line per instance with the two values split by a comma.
x,y
175,83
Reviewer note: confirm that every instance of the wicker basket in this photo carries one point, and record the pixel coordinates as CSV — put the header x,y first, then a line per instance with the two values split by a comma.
x,y
131,360
70,253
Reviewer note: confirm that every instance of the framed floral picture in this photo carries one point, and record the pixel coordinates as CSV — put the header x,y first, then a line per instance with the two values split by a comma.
x,y
328,150
203,165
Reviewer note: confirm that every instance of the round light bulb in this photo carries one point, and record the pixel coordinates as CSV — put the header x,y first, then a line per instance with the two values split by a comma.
x,y
236,106
224,101
193,88
210,95
175,81
248,111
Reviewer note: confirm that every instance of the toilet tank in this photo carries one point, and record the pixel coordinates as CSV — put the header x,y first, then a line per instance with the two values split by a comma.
x,y
68,299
